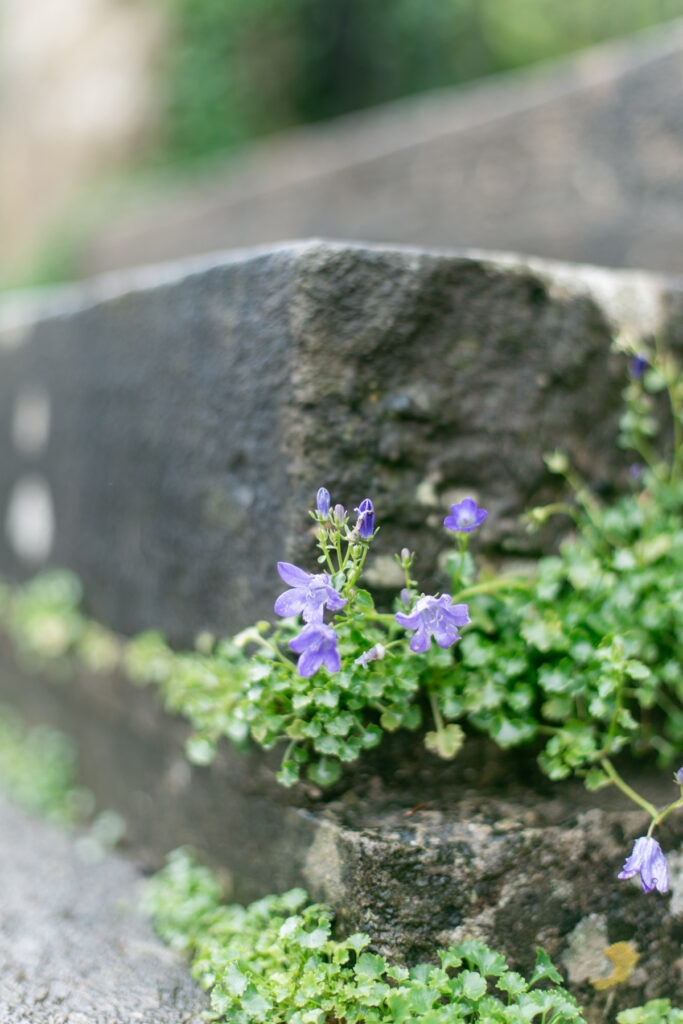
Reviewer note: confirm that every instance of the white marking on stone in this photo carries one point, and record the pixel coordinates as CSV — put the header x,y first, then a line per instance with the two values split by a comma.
x,y
584,957
30,521
31,421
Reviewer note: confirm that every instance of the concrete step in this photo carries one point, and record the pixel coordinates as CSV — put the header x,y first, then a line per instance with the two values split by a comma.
x,y
74,945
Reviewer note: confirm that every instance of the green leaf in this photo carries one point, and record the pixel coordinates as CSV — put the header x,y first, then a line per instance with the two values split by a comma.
x,y
324,772
544,968
473,985
199,750
234,981
447,742
370,966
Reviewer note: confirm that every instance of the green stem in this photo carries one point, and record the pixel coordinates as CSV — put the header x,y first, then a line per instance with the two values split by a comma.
x,y
288,752
672,380
616,779
491,586
436,712
358,566
617,708
663,814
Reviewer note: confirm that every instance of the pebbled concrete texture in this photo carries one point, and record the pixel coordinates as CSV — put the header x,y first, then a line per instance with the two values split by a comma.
x,y
74,948
578,159
165,431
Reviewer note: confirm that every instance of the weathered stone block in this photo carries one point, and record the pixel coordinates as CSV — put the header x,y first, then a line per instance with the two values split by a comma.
x,y
166,430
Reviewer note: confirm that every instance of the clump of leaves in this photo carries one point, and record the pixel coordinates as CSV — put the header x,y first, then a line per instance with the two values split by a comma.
x,y
657,1011
38,769
276,961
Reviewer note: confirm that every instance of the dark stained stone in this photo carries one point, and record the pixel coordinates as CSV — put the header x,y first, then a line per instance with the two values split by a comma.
x,y
195,410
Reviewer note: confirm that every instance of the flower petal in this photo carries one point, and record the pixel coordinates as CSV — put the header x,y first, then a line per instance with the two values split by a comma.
x,y
290,603
411,621
459,614
331,659
309,663
292,575
419,642
334,600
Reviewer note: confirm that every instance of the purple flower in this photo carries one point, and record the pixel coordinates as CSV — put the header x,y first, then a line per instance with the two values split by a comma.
x,y
639,365
648,861
376,653
366,519
465,516
678,777
309,594
434,616
317,645
339,512
322,502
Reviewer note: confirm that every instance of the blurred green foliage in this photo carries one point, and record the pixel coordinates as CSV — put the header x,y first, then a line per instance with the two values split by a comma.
x,y
237,69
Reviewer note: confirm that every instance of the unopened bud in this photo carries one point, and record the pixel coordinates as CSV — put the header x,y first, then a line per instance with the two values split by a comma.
x,y
323,502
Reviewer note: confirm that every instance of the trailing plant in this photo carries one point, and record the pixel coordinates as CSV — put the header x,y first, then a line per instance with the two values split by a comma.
x,y
276,961
38,769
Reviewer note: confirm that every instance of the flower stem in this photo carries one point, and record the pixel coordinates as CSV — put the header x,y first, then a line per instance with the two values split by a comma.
x,y
491,586
436,712
616,779
663,814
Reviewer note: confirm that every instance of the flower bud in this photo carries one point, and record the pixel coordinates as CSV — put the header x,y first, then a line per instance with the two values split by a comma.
x,y
639,365
323,502
366,519
339,512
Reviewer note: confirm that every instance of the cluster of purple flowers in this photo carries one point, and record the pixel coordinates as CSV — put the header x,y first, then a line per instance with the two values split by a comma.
x,y
310,594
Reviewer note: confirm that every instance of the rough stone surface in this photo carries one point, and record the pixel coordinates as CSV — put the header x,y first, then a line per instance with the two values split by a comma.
x,y
74,947
580,159
165,431
417,852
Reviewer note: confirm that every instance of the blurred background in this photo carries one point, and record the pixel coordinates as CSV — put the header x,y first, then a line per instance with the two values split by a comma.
x,y
137,130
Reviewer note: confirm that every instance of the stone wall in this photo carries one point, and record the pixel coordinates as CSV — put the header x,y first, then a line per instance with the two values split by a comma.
x,y
165,431
579,159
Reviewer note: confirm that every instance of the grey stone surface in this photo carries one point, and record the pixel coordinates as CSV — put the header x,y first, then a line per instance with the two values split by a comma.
x,y
417,852
165,431
74,948
580,159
